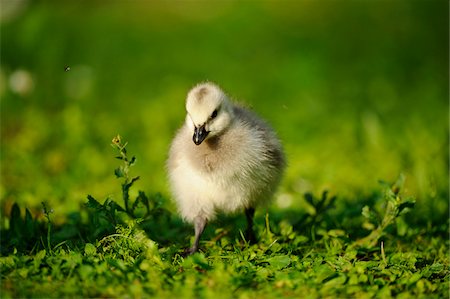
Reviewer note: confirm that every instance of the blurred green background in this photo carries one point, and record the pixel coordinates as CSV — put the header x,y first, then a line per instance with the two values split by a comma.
x,y
357,91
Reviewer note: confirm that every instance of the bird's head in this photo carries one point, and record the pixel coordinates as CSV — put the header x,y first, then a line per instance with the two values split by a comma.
x,y
209,112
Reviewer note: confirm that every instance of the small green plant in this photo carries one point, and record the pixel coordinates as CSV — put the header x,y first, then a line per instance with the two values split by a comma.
x,y
129,243
320,207
110,209
24,233
47,213
123,171
395,205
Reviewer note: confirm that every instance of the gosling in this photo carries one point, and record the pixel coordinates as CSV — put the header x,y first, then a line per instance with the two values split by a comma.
x,y
223,159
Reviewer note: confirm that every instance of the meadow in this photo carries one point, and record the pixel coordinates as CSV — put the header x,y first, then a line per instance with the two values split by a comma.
x,y
357,92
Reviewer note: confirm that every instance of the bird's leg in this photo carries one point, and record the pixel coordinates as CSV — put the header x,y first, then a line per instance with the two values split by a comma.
x,y
199,225
250,234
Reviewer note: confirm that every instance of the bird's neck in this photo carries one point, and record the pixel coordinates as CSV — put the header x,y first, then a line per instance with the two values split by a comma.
x,y
212,143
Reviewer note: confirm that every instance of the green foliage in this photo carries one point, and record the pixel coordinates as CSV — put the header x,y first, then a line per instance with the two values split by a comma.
x,y
357,91
395,205
49,225
318,213
141,207
121,259
23,233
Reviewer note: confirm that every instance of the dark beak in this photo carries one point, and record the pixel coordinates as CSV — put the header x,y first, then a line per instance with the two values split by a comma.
x,y
199,134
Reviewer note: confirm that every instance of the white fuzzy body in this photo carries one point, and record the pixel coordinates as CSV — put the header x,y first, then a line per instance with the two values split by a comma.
x,y
239,167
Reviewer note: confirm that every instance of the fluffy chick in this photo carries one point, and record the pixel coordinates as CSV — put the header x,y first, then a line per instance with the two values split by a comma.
x,y
223,159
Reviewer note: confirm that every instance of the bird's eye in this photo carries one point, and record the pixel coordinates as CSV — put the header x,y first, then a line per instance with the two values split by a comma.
x,y
214,114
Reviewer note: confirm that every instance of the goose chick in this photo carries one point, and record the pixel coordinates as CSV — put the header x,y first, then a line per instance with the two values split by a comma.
x,y
223,159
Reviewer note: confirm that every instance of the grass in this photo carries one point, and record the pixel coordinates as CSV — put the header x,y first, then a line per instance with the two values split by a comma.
x,y
358,93
312,255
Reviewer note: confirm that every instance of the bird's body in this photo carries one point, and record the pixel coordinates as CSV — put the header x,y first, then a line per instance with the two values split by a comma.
x,y
223,159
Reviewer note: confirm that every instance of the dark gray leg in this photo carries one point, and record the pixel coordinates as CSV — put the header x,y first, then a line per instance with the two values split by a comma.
x,y
199,225
249,233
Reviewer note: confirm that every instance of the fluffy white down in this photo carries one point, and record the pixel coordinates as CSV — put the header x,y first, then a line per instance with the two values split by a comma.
x,y
241,169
